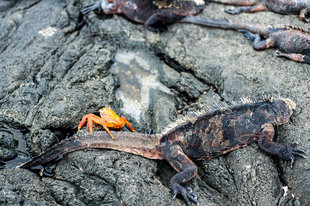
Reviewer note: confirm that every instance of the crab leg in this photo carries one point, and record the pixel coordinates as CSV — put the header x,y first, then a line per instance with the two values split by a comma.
x,y
91,120
126,121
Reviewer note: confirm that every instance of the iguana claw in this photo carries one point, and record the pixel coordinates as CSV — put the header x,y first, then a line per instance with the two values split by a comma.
x,y
280,54
292,161
187,194
248,35
290,153
232,11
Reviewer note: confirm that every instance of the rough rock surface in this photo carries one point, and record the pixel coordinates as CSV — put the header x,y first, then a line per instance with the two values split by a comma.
x,y
55,68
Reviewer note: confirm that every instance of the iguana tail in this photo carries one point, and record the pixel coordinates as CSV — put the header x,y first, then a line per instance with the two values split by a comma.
x,y
135,143
227,24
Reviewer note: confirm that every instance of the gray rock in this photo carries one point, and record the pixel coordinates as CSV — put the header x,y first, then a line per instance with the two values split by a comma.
x,y
7,154
19,186
55,68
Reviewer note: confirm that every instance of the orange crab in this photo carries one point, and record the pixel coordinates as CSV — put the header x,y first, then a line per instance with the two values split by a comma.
x,y
108,119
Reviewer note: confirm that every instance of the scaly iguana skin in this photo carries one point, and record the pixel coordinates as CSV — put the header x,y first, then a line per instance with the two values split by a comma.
x,y
203,136
153,13
301,7
293,42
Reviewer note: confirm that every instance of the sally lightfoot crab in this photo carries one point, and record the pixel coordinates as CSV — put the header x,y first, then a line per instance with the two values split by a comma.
x,y
108,119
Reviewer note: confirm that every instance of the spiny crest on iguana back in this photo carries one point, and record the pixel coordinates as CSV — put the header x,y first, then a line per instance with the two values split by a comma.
x,y
290,27
302,29
193,116
174,3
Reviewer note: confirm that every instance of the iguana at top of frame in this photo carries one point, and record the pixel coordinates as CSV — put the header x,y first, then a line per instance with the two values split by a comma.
x,y
301,7
153,13
204,135
293,42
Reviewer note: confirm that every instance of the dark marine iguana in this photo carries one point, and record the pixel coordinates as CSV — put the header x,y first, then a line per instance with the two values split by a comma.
x,y
205,135
293,42
153,13
301,7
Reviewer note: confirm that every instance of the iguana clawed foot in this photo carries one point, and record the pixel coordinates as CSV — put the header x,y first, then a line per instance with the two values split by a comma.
x,y
186,192
92,7
157,29
305,19
305,14
295,57
289,153
248,35
233,11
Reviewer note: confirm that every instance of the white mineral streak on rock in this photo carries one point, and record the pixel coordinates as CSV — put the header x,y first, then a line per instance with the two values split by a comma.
x,y
47,32
285,189
136,94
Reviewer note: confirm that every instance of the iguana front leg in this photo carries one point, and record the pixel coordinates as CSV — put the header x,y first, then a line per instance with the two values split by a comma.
x,y
186,171
258,44
156,22
284,152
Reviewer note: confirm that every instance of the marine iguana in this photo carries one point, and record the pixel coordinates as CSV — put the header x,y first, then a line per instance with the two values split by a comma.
x,y
153,13
293,42
301,7
205,135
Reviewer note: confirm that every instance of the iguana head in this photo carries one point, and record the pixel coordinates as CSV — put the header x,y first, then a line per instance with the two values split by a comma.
x,y
109,6
164,4
103,6
284,110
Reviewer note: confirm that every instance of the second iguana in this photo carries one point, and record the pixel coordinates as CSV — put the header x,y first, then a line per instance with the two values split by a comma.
x,y
293,42
301,7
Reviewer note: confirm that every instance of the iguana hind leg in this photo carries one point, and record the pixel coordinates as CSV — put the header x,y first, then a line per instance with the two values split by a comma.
x,y
248,9
186,171
156,22
295,57
284,152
